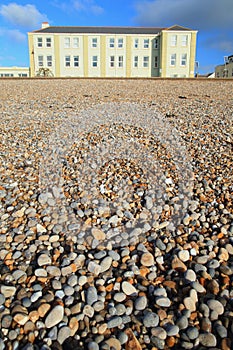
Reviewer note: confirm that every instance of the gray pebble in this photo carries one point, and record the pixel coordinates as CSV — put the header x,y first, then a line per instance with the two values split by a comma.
x,y
114,322
151,320
192,333
140,303
208,340
91,295
63,334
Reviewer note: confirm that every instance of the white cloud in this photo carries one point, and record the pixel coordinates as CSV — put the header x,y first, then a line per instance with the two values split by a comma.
x,y
88,6
13,34
26,16
196,14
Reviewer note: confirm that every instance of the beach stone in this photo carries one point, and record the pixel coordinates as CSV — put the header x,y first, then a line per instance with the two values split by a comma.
x,y
182,322
113,343
159,332
207,339
140,303
192,333
171,329
98,234
94,268
106,264
55,316
21,318
93,346
91,295
190,304
147,259
44,259
178,265
150,320
8,291
114,322
190,275
216,306
183,255
129,289
163,302
119,297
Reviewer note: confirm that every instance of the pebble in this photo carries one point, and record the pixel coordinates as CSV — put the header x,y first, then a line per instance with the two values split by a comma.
x,y
207,339
140,303
91,295
105,264
151,320
129,289
55,316
147,259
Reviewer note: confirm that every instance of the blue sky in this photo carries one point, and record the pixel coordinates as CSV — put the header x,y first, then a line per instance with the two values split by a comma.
x,y
212,18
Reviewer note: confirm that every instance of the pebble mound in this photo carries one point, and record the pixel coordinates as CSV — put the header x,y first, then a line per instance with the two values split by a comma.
x,y
163,291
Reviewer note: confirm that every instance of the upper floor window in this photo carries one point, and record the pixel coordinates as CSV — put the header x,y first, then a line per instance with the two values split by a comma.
x,y
112,61
111,42
120,61
135,43
184,40
146,61
67,43
76,42
173,40
40,61
67,61
183,60
120,43
173,59
39,42
48,42
146,44
94,42
76,61
156,44
135,62
49,61
94,61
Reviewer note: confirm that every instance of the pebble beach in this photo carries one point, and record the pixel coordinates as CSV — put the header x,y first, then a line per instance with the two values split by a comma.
x,y
125,240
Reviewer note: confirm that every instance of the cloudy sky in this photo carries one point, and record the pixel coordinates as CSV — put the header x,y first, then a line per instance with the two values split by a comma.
x,y
212,18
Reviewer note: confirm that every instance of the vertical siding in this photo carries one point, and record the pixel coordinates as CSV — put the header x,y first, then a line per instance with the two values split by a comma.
x,y
56,57
103,56
128,56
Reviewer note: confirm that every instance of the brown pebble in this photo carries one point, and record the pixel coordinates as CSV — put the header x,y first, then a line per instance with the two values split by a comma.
x,y
132,342
226,344
170,341
178,265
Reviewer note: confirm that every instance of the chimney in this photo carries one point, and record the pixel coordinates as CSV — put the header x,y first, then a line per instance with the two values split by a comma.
x,y
45,25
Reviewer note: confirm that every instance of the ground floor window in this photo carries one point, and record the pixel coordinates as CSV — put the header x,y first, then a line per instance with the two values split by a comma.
x,y
146,61
120,61
94,61
67,61
76,61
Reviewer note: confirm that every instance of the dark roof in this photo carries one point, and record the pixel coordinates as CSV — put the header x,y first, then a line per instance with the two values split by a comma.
x,y
101,30
177,27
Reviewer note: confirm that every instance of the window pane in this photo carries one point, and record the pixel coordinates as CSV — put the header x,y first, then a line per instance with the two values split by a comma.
x,y
39,42
94,61
48,42
94,42
67,61
146,43
111,42
135,61
156,43
183,59
173,59
76,61
75,42
146,61
120,61
184,40
173,40
67,42
156,62
49,61
112,61
120,42
135,43
40,61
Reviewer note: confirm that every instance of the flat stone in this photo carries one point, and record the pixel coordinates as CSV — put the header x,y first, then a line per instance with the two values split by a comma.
x,y
183,255
171,329
190,275
94,268
91,295
129,289
216,306
159,332
113,343
8,291
147,259
106,264
190,304
55,316
63,334
208,340
21,318
98,234
150,320
114,322
140,303
163,301
44,259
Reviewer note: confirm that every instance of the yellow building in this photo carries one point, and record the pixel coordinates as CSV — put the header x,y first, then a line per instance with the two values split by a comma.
x,y
113,51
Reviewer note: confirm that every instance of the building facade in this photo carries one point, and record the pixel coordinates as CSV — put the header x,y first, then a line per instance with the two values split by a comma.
x,y
113,51
225,70
14,72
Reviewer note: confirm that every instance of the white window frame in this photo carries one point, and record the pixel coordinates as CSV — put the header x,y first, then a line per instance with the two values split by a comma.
x,y
75,42
174,40
120,61
94,42
76,61
112,61
111,43
95,61
67,61
66,42
184,40
183,59
146,60
40,61
49,61
136,43
120,43
135,62
40,42
146,43
173,60
48,42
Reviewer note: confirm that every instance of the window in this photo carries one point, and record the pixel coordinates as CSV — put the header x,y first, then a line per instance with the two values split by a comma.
x,y
156,44
111,42
76,61
39,42
94,42
120,43
184,40
76,42
135,43
120,61
146,44
173,40
135,62
146,61
112,61
67,43
183,60
94,61
22,75
49,61
156,62
40,61
67,61
173,59
48,42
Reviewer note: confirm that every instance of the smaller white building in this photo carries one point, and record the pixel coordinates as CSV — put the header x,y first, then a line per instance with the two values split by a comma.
x,y
14,72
